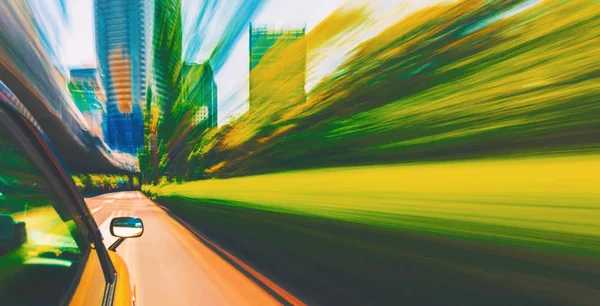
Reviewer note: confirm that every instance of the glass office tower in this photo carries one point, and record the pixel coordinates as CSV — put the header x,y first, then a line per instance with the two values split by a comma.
x,y
123,37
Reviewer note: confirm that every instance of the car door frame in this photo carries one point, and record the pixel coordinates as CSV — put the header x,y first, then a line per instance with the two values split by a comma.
x,y
22,129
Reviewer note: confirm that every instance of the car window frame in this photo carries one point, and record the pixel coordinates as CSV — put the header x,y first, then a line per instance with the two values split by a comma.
x,y
34,145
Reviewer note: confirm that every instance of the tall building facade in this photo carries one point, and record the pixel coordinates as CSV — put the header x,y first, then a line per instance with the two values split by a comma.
x,y
122,46
200,90
277,65
167,53
87,92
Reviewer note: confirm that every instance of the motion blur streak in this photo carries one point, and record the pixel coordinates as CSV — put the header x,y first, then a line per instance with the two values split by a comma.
x,y
395,149
201,27
331,152
31,67
502,200
429,88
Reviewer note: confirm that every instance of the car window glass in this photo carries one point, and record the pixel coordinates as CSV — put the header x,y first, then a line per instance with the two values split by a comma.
x,y
41,250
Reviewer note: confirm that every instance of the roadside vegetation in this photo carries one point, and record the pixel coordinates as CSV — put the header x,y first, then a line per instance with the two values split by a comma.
x,y
456,81
549,203
450,158
89,184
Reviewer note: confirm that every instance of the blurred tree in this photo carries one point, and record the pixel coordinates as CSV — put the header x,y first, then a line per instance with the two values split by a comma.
x,y
458,80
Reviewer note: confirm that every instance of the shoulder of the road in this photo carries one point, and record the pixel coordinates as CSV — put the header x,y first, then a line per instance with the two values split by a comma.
x,y
265,283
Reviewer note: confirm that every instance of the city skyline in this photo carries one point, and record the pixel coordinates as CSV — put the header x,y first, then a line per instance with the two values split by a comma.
x,y
231,80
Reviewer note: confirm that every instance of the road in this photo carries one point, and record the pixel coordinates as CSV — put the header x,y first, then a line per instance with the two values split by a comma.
x,y
168,263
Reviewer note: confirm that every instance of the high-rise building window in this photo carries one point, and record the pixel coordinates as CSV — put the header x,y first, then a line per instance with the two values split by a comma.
x,y
201,114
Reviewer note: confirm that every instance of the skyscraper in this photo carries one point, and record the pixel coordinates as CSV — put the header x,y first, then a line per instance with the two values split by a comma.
x,y
167,52
277,65
200,90
164,69
122,32
87,93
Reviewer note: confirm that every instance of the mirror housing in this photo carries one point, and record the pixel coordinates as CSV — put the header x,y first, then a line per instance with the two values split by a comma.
x,y
126,227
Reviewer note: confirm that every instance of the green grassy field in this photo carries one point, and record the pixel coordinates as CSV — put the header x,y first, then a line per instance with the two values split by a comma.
x,y
329,262
520,231
512,231
540,202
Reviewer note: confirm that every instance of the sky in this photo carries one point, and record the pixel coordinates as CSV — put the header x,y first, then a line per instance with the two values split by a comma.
x,y
78,47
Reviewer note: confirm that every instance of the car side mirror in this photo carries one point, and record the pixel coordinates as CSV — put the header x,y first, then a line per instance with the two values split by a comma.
x,y
125,227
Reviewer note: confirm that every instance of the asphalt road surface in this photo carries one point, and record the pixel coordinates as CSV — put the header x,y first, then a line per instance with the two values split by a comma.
x,y
168,263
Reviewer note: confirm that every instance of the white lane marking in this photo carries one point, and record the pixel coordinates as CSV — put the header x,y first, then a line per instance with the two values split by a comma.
x,y
120,195
109,201
96,209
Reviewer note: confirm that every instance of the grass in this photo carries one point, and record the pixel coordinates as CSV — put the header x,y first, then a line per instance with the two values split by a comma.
x,y
512,231
541,202
328,262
